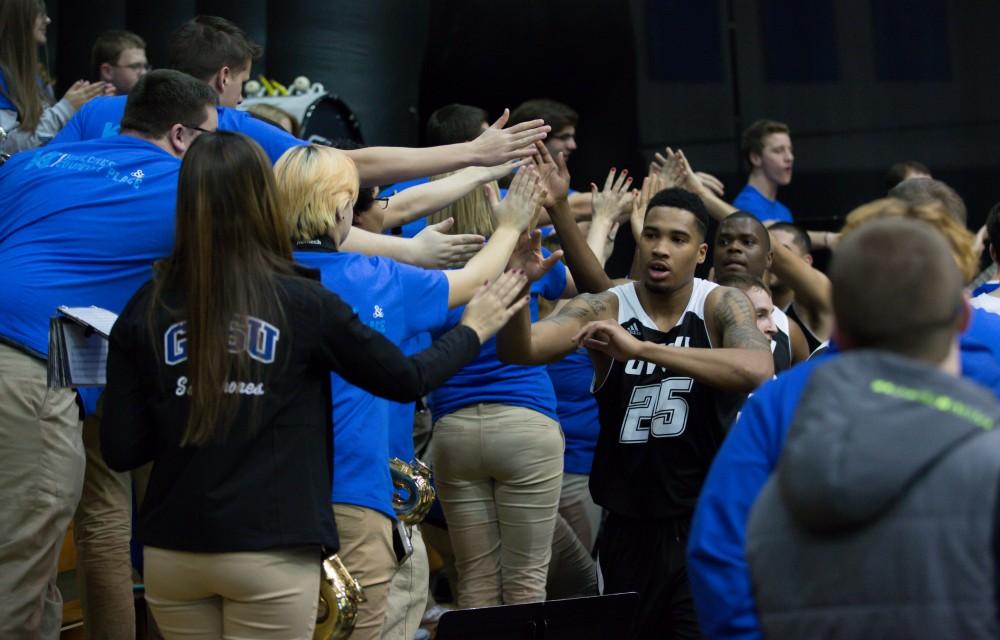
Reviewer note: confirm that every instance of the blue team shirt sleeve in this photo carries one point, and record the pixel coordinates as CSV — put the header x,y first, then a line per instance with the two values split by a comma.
x,y
717,566
426,298
275,141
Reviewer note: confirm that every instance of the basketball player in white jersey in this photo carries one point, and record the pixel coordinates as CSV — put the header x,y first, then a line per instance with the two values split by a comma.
x,y
674,356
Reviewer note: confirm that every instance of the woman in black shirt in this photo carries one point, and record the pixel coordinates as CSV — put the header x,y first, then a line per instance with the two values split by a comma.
x,y
218,371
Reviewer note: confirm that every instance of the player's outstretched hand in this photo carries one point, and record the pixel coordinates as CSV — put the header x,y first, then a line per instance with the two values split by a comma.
x,y
494,304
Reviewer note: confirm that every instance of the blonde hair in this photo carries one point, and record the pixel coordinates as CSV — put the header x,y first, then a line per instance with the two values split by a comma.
x,y
934,213
318,184
472,212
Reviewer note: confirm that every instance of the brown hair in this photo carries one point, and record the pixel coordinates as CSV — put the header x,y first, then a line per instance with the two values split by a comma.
x,y
19,59
958,237
273,115
743,282
896,287
555,114
919,191
205,44
109,46
231,242
752,141
163,98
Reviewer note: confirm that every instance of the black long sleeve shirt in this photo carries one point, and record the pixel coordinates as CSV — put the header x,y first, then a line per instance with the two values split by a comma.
x,y
267,485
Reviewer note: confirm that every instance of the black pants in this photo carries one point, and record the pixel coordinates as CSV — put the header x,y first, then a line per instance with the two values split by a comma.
x,y
648,557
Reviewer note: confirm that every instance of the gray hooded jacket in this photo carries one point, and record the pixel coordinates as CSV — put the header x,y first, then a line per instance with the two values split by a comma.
x,y
880,520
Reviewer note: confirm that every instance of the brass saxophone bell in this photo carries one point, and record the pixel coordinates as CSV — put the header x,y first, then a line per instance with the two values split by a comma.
x,y
414,494
339,597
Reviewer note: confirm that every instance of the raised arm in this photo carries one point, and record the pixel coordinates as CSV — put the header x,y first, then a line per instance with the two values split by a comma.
x,y
424,199
676,171
588,272
609,204
512,216
369,360
741,363
521,342
432,248
496,145
813,291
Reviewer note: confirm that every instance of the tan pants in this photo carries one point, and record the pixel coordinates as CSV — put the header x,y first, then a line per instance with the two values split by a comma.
x,y
499,472
408,593
41,475
577,506
102,532
259,594
366,551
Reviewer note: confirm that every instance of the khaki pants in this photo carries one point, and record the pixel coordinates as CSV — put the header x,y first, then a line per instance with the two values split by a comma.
x,y
257,594
41,475
577,506
408,593
499,472
366,551
102,532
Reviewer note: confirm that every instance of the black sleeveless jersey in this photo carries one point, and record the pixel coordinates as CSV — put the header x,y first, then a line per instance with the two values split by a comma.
x,y
659,429
781,345
811,340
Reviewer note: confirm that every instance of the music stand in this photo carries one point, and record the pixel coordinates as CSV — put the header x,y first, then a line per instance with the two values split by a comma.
x,y
596,617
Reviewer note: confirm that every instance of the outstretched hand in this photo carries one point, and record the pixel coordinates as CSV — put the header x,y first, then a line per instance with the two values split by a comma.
x,y
436,249
610,338
650,185
497,145
615,199
495,304
554,173
523,197
527,257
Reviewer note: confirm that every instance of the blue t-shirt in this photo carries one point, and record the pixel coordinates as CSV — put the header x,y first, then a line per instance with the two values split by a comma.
x,y
81,225
753,201
398,301
717,566
486,379
102,116
577,409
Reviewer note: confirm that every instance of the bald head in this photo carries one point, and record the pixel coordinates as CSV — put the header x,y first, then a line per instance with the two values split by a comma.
x,y
896,287
922,191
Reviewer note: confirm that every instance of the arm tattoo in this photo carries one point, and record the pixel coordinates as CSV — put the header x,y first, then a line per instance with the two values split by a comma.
x,y
583,308
734,317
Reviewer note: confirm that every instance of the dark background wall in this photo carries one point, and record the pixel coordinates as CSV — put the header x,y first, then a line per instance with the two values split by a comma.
x,y
862,83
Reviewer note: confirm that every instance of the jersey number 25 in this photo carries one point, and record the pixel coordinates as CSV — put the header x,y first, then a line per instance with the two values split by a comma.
x,y
656,409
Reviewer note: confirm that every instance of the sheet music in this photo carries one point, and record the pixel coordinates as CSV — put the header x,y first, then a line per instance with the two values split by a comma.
x,y
87,356
100,319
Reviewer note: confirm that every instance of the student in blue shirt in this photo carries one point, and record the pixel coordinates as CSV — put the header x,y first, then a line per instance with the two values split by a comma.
x,y
81,224
767,147
218,52
498,457
320,185
717,566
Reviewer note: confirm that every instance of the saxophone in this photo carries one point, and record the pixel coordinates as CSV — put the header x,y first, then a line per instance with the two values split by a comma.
x,y
339,596
414,494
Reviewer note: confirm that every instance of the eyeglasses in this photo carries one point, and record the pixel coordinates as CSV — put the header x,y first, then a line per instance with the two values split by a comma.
x,y
384,201
191,126
136,66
